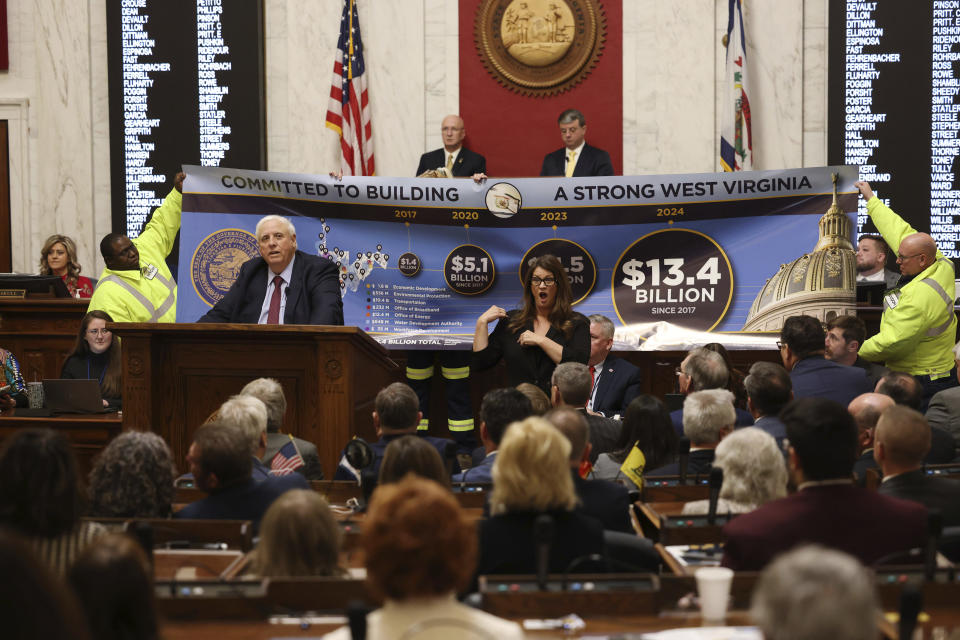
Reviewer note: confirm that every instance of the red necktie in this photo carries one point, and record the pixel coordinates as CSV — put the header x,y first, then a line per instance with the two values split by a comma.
x,y
273,315
593,375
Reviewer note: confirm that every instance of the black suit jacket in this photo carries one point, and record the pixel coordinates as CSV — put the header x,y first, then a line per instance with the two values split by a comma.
x,y
865,524
592,162
931,491
619,384
247,500
466,164
604,433
313,296
698,464
507,546
606,501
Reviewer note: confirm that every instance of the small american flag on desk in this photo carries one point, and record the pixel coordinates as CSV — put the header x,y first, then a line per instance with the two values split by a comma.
x,y
287,460
348,112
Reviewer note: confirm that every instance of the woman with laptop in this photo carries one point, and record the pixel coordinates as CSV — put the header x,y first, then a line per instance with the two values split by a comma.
x,y
96,355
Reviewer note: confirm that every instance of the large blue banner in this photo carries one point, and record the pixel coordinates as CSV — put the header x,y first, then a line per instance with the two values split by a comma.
x,y
668,258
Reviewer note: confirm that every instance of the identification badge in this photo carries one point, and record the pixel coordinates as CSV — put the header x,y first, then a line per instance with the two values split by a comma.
x,y
891,300
150,272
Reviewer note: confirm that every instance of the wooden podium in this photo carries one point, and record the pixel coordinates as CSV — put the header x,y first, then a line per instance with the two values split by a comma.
x,y
176,375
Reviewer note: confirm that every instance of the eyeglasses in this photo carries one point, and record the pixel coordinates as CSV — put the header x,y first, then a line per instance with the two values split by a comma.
x,y
679,371
549,281
98,332
903,258
779,345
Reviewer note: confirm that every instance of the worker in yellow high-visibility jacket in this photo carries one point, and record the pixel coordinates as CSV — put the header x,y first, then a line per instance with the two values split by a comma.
x,y
918,328
136,285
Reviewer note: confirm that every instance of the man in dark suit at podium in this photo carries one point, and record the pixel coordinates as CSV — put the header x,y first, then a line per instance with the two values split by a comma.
x,y
460,161
283,285
577,159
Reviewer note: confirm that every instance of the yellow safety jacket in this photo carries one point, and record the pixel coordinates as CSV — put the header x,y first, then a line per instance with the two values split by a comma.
x,y
918,328
150,294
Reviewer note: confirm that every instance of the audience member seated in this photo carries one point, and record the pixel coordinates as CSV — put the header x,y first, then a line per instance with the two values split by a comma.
x,y
298,537
499,408
249,414
420,550
33,602
113,581
708,417
813,593
16,395
944,410
606,501
646,425
866,410
58,257
754,473
802,344
769,389
908,392
41,498
270,393
902,441
96,355
538,398
736,377
531,477
844,336
570,389
614,381
701,370
827,508
396,414
411,454
132,478
220,462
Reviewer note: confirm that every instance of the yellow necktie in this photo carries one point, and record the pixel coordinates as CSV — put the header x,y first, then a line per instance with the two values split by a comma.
x,y
449,161
571,163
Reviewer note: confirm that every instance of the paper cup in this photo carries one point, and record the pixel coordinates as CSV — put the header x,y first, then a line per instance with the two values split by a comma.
x,y
713,585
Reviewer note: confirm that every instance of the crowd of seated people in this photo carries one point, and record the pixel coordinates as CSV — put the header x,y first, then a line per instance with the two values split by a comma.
x,y
536,466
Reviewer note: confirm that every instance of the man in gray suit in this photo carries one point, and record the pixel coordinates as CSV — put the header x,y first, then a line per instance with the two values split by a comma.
x,y
944,408
570,389
269,391
872,252
902,440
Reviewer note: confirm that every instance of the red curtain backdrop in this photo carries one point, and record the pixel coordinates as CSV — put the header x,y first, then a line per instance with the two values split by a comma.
x,y
4,56
513,131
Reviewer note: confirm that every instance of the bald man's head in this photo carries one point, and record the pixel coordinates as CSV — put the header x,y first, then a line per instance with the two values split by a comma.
x,y
916,252
453,132
867,408
905,436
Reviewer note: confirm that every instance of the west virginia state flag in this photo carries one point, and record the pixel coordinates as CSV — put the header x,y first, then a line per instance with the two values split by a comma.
x,y
633,465
736,139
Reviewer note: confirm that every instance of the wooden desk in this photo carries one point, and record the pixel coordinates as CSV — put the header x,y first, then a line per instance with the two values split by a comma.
x,y
40,332
207,564
88,434
175,375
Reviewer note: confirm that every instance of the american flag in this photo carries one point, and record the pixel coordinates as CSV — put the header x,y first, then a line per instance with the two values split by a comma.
x,y
349,111
736,135
287,460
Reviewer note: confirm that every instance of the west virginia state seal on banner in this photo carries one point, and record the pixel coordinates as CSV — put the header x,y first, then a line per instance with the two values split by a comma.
x,y
217,261
539,47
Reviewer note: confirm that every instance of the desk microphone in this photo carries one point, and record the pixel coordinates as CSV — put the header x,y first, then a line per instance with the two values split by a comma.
x,y
716,481
543,539
683,447
911,602
934,530
357,619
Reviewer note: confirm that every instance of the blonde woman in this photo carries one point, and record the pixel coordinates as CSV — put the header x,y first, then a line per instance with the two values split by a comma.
x,y
531,477
58,257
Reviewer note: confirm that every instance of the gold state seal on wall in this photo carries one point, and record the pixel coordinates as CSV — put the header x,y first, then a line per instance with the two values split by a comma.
x,y
217,261
539,47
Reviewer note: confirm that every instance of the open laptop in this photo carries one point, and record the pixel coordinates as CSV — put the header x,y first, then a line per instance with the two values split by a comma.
x,y
73,396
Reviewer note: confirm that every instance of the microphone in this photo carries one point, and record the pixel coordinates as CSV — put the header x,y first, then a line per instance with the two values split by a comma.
x,y
543,538
716,481
911,602
357,619
683,447
934,530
